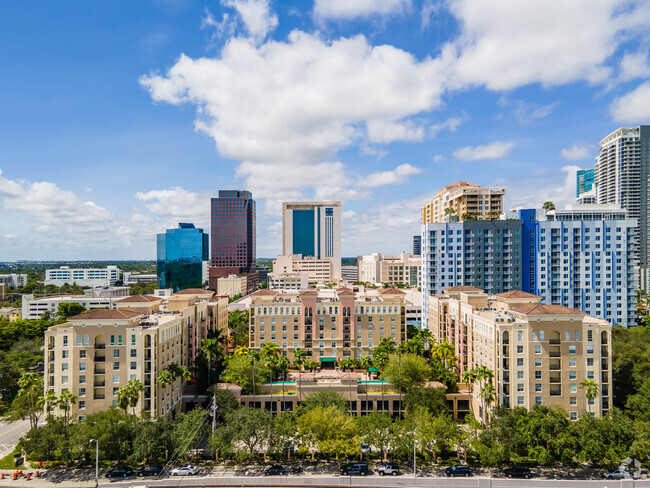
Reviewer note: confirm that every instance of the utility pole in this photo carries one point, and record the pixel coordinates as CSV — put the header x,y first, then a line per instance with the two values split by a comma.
x,y
96,441
415,472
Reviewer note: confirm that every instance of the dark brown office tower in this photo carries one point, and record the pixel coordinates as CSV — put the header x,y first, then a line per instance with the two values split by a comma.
x,y
232,238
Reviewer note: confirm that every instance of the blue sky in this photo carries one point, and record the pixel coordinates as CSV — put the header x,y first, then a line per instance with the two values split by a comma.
x,y
120,119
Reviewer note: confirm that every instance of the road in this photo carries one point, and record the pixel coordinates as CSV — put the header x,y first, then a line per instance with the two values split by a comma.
x,y
10,434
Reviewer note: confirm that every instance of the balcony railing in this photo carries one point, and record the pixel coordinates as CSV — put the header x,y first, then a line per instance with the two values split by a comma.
x,y
556,391
99,397
554,341
99,384
100,371
99,359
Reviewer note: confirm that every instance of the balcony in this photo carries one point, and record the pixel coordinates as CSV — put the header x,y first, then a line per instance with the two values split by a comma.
x,y
98,397
554,365
100,346
554,341
99,359
99,384
506,376
554,352
604,351
555,378
556,390
100,371
604,377
307,329
308,321
346,320
506,364
604,364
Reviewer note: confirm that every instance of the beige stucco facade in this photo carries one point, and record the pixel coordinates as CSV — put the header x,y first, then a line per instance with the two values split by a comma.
x,y
463,197
232,285
538,353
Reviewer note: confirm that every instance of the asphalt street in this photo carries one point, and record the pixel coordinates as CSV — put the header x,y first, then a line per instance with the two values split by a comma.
x,y
10,434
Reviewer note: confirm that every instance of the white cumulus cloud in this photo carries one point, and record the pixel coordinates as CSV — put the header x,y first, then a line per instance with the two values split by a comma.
x,y
256,16
352,9
633,107
493,150
575,153
398,176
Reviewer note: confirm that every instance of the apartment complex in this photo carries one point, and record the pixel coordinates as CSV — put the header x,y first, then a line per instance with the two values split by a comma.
x,y
377,268
329,324
463,198
288,269
584,257
232,237
417,245
13,280
181,254
539,353
485,254
93,277
621,176
313,229
96,353
584,181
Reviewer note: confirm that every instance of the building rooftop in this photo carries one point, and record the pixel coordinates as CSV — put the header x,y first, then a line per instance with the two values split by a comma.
x,y
462,288
516,294
104,313
139,299
195,291
391,291
536,309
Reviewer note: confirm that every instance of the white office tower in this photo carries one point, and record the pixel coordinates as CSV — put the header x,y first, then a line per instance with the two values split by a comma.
x,y
313,229
622,172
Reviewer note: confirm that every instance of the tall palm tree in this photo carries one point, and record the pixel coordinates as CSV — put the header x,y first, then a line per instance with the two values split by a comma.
x,y
184,374
366,363
488,394
241,351
591,391
283,364
270,349
548,206
66,400
469,377
299,357
253,355
444,351
211,349
48,402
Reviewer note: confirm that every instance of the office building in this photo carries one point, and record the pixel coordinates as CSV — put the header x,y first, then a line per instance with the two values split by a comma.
x,y
180,257
621,176
584,181
13,280
298,280
486,254
584,257
313,229
329,324
417,245
539,353
262,274
93,277
94,354
130,278
232,238
467,201
349,274
232,285
399,269
108,292
318,270
34,308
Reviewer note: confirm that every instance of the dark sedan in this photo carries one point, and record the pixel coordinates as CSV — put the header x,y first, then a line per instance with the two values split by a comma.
x,y
274,469
458,470
119,473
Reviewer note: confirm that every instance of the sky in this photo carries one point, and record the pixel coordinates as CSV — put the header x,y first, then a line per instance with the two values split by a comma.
x,y
120,119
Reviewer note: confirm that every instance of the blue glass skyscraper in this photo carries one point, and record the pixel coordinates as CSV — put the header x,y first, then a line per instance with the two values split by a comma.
x,y
181,253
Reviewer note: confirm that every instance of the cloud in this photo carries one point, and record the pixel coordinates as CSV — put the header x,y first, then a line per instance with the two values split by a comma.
x,y
526,113
575,152
509,43
543,184
289,107
256,16
451,124
429,9
176,205
493,150
633,107
634,65
398,176
352,9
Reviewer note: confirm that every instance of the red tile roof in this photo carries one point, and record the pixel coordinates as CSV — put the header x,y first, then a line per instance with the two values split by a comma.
x,y
516,294
139,299
392,290
195,291
537,309
104,313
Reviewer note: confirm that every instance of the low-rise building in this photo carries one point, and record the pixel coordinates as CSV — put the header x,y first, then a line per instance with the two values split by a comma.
x,y
329,324
10,313
400,269
14,280
94,277
131,278
319,270
349,274
298,280
108,292
232,285
34,308
539,353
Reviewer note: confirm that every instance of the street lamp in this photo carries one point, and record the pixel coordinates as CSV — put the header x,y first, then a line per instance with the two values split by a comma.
x,y
96,460
415,472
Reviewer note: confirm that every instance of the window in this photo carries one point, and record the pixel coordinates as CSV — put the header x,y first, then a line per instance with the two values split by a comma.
x,y
520,375
572,362
573,400
520,361
538,375
116,353
65,340
82,379
116,378
576,335
538,350
573,415
590,374
590,362
116,366
520,400
538,363
520,349
82,366
82,354
82,392
573,388
538,400
538,388
134,365
65,354
520,387
64,380
112,339
134,353
572,349
572,375
590,349
64,366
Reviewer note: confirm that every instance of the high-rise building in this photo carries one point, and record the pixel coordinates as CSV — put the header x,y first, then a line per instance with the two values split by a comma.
x,y
181,254
584,257
485,254
622,176
417,245
313,229
232,237
539,353
460,200
584,181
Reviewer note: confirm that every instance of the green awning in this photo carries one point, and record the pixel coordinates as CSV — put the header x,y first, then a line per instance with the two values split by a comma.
x,y
327,360
373,370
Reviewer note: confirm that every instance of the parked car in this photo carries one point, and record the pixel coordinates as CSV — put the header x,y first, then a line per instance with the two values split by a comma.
x,y
388,468
458,470
365,448
355,468
273,469
121,472
184,471
150,471
517,472
619,474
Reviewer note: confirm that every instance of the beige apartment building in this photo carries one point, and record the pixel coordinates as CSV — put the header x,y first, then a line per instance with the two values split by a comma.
x,y
463,198
377,268
317,270
330,324
96,353
539,353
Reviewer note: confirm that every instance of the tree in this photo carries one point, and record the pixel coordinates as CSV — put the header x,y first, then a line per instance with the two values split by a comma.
x,y
591,389
329,431
250,427
238,324
410,371
488,395
129,394
365,362
165,378
548,206
29,401
69,310
445,352
239,370
299,357
434,400
66,400
377,429
469,377
450,210
283,364
211,349
434,433
325,399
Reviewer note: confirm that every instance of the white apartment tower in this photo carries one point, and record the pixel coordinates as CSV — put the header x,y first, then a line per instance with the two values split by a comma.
x,y
313,229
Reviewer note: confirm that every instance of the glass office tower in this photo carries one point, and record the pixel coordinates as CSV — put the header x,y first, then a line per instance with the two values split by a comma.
x,y
181,253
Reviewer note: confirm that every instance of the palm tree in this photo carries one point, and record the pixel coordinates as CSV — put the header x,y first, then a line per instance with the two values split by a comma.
x,y
66,400
450,211
591,391
444,351
469,377
241,351
366,363
271,362
488,394
299,357
270,349
283,363
184,374
49,401
211,349
165,378
31,386
427,338
548,206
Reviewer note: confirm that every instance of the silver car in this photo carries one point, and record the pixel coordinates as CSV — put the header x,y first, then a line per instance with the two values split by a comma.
x,y
619,474
388,468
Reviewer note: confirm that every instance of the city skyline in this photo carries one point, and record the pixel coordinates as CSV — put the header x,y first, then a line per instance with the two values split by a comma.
x,y
110,141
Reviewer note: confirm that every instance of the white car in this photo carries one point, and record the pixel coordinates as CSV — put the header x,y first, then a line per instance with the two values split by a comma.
x,y
184,471
619,474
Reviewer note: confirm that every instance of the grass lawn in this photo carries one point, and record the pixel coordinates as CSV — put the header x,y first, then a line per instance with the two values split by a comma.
x,y
7,462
